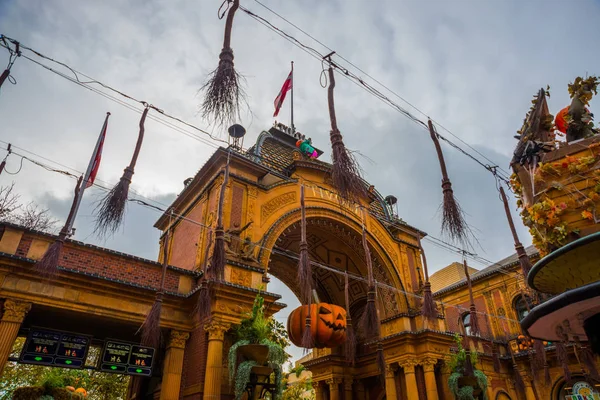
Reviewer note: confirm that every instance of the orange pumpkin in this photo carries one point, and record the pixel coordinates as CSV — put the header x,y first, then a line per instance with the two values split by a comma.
x,y
82,391
328,324
70,388
560,121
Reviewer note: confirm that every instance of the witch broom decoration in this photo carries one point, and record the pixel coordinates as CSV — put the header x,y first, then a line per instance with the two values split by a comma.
x,y
521,253
453,220
474,322
428,309
216,268
305,274
151,326
223,92
350,344
345,172
48,264
111,209
3,163
370,320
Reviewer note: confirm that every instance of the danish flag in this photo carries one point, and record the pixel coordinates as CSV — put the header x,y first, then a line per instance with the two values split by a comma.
x,y
287,85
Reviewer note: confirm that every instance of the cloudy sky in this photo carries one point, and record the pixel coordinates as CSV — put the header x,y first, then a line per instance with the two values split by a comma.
x,y
472,66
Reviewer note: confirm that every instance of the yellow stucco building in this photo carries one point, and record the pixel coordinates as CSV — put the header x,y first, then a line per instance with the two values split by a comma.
x,y
106,295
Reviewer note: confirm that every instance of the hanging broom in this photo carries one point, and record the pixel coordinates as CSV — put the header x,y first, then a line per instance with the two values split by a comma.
x,y
517,378
469,369
350,344
345,172
151,327
307,340
474,321
223,92
524,260
48,264
111,208
562,354
304,267
428,309
587,358
218,259
370,320
453,220
495,358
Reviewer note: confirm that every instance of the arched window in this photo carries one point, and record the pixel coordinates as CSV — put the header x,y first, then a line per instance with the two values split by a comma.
x,y
466,323
522,305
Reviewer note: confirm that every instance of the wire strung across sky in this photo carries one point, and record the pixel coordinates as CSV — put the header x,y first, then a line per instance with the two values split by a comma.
x,y
346,72
283,252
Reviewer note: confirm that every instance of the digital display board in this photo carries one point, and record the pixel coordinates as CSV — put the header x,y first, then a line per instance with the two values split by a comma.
x,y
126,358
54,348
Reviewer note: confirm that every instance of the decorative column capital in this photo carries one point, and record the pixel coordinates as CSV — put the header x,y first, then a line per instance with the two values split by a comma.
x,y
333,383
177,339
390,370
15,310
216,330
348,384
409,366
429,364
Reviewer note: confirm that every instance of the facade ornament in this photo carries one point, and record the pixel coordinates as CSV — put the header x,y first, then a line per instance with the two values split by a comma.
x,y
429,364
177,339
333,383
216,330
15,310
390,370
408,365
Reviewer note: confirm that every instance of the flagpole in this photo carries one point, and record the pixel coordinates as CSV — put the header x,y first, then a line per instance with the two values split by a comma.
x,y
292,100
86,177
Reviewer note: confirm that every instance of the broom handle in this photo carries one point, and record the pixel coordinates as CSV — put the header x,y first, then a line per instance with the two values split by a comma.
x,y
332,117
438,148
165,263
509,217
423,258
468,281
302,216
222,196
229,24
140,139
64,232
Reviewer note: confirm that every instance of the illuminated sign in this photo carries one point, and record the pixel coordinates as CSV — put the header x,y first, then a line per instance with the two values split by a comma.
x,y
54,348
582,391
126,358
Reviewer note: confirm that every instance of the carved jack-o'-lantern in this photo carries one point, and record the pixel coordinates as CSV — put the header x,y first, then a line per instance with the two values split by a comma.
x,y
328,324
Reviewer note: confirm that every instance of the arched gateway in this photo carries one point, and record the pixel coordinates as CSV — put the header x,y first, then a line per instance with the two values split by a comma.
x,y
110,293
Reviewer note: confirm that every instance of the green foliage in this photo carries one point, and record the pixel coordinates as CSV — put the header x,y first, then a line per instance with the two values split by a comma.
x,y
457,366
255,328
297,370
457,360
299,390
242,378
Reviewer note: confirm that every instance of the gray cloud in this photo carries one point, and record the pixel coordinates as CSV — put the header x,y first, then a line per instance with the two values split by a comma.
x,y
473,66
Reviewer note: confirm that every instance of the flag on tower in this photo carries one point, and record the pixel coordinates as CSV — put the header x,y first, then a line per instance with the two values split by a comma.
x,y
287,85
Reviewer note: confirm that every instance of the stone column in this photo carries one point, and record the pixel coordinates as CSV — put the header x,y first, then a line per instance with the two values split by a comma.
x,y
173,366
430,383
348,388
390,382
13,316
359,388
411,378
214,359
319,387
334,388
529,393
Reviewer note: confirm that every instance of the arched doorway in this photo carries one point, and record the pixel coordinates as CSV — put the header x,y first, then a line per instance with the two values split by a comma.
x,y
335,247
578,388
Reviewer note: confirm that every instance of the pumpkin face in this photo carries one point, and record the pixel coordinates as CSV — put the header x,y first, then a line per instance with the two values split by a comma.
x,y
328,324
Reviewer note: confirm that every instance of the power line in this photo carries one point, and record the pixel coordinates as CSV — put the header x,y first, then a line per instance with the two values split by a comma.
x,y
284,252
360,82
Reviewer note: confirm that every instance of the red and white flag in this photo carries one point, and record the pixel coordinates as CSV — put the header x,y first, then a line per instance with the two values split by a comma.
x,y
287,85
95,162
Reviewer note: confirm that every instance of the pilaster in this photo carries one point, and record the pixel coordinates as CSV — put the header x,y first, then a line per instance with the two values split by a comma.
x,y
214,361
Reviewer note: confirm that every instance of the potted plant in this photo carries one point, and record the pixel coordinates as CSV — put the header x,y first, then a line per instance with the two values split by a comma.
x,y
258,351
466,382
